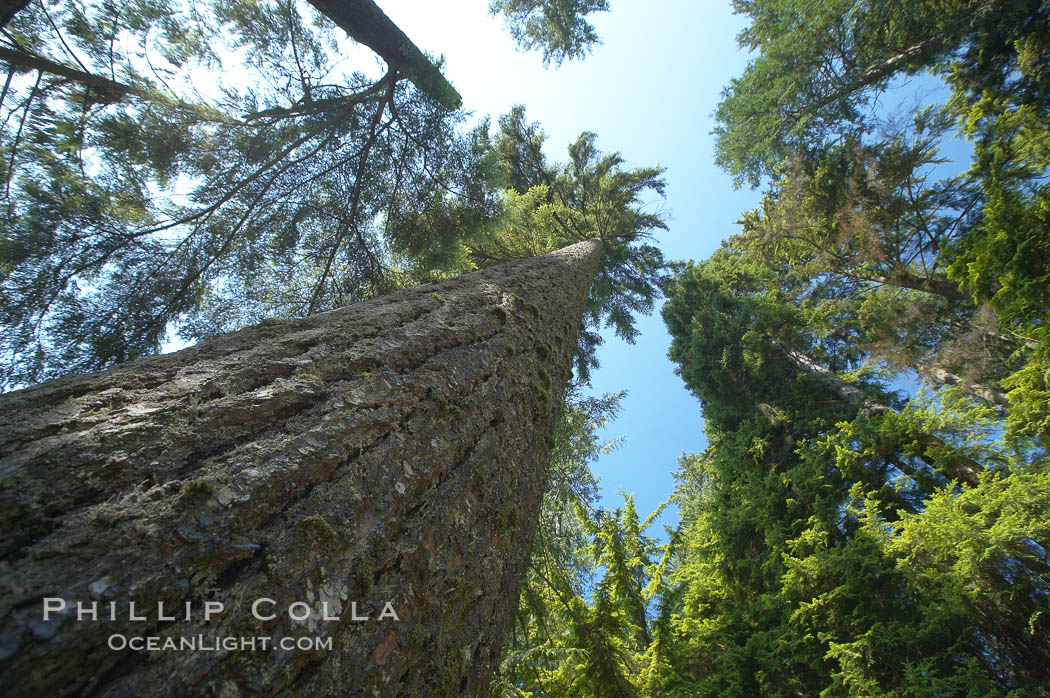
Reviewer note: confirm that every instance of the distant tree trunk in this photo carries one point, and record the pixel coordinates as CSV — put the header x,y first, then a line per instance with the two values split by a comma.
x,y
102,88
393,450
931,449
987,393
876,73
939,287
369,25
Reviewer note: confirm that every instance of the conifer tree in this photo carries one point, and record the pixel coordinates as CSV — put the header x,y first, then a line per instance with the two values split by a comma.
x,y
134,205
804,565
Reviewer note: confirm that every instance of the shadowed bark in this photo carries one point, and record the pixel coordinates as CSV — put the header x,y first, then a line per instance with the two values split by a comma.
x,y
391,451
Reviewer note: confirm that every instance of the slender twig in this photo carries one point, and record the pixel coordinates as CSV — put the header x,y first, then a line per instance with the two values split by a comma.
x,y
58,33
18,138
303,82
412,136
356,201
7,84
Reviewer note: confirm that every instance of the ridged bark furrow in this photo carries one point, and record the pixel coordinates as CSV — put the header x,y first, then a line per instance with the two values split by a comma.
x,y
392,451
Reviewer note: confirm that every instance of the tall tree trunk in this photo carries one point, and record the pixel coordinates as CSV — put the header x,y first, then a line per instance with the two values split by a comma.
x,y
391,451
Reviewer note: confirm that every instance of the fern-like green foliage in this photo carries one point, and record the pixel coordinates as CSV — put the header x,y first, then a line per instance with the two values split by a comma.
x,y
869,517
819,554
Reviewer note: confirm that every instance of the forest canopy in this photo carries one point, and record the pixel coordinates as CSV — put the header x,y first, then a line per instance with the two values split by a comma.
x,y
871,513
136,206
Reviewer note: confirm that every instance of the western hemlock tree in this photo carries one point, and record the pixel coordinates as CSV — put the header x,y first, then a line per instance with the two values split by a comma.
x,y
547,206
802,564
805,116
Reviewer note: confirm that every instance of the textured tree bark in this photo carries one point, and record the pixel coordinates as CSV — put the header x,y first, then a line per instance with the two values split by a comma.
x,y
392,451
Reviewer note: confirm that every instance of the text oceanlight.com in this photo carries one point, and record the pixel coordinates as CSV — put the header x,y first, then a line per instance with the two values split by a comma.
x,y
201,643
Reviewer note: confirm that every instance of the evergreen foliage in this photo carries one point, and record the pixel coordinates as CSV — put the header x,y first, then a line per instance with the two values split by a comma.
x,y
818,555
586,615
557,27
134,204
840,535
593,195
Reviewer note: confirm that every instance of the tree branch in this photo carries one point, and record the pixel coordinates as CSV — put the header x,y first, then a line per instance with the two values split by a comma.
x,y
108,90
368,25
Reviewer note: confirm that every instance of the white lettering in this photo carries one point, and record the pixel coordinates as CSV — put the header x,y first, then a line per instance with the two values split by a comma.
x,y
388,612
212,608
255,609
83,610
302,604
324,612
131,612
49,607
160,612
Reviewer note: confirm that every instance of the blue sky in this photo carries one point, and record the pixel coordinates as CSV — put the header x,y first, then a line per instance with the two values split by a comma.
x,y
649,92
